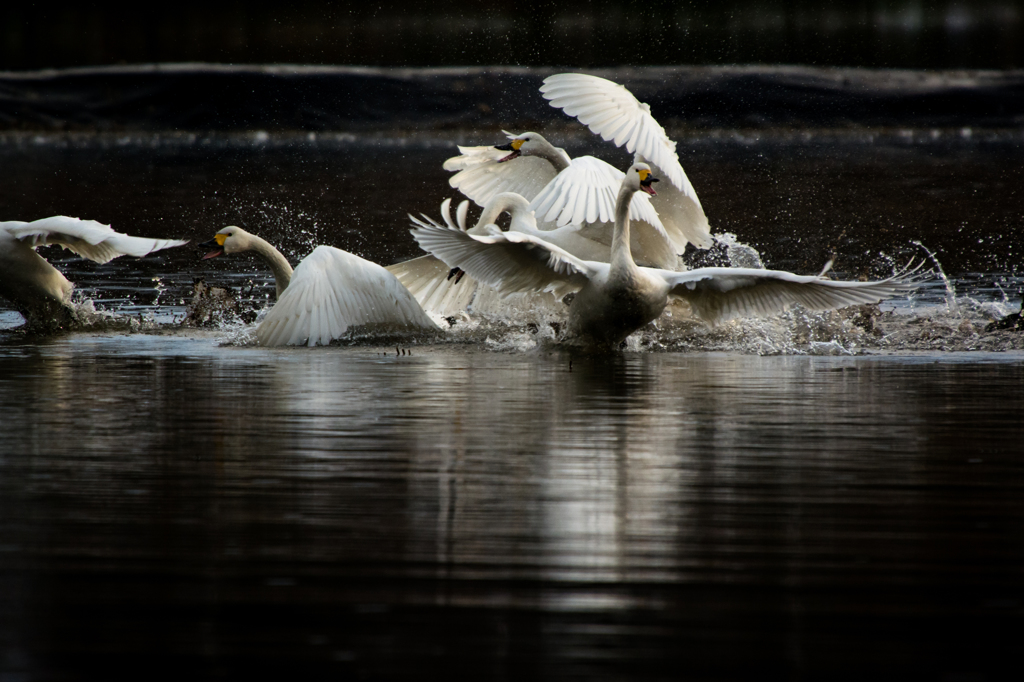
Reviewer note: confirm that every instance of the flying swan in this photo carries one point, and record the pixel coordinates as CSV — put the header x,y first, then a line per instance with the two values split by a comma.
x,y
37,289
581,191
617,298
328,292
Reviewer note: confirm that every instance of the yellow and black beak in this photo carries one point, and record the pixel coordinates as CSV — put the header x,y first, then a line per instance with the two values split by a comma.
x,y
513,147
217,244
646,178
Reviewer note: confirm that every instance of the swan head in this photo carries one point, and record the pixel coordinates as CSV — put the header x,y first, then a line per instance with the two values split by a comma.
x,y
640,178
231,239
527,144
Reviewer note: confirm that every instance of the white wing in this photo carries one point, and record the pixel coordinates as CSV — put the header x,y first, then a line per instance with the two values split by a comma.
x,y
586,192
87,238
680,211
427,280
719,294
611,111
508,261
332,290
480,175
584,195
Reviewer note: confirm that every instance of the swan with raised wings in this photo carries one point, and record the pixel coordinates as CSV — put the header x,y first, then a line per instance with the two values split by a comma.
x,y
328,293
617,298
37,289
582,190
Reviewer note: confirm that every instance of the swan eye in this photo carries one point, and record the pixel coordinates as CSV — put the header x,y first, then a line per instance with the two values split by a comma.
x,y
220,239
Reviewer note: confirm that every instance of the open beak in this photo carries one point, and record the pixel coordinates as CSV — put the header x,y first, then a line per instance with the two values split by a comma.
x,y
212,244
645,185
507,148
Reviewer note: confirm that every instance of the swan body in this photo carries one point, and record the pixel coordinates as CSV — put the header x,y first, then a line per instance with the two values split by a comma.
x,y
329,292
615,299
39,290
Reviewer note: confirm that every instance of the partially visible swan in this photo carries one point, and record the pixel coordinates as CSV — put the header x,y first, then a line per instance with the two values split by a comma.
x,y
617,298
38,290
329,292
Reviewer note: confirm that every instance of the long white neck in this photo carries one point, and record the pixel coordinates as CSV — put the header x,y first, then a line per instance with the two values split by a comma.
x,y
515,204
550,152
278,263
622,256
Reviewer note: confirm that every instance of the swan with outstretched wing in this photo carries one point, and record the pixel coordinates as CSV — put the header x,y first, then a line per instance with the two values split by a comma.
x,y
328,293
38,290
615,299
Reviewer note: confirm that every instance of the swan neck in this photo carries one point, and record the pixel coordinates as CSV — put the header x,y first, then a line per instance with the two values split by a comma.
x,y
554,156
621,255
275,259
498,205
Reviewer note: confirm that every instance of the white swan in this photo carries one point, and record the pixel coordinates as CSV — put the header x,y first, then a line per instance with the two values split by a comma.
x,y
38,290
617,298
329,292
582,191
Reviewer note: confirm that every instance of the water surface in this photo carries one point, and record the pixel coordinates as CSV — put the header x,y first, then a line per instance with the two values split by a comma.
x,y
828,497
172,506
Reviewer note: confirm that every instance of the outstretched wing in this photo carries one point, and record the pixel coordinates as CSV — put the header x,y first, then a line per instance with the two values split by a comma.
x,y
508,261
427,279
87,238
720,294
585,192
680,211
611,111
480,175
332,290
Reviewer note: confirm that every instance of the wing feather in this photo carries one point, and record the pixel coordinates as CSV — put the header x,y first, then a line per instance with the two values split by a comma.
x,y
87,238
611,111
480,175
720,294
508,261
331,291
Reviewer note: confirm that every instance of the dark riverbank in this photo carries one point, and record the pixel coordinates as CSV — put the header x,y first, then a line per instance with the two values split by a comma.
x,y
202,97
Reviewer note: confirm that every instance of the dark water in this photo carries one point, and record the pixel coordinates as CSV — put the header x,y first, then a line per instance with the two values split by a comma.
x,y
173,508
808,497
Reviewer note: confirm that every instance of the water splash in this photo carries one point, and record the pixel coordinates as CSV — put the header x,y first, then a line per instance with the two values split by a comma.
x,y
950,289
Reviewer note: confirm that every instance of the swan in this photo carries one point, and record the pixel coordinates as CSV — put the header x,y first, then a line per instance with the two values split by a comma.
x,y
432,282
578,193
37,289
328,292
615,299
581,191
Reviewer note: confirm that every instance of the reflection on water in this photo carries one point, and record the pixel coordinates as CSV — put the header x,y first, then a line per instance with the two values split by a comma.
x,y
210,511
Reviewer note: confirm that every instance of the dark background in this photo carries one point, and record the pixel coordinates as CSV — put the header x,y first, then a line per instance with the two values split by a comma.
x,y
985,34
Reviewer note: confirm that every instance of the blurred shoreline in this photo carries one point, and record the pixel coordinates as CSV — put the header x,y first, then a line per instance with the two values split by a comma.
x,y
362,100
